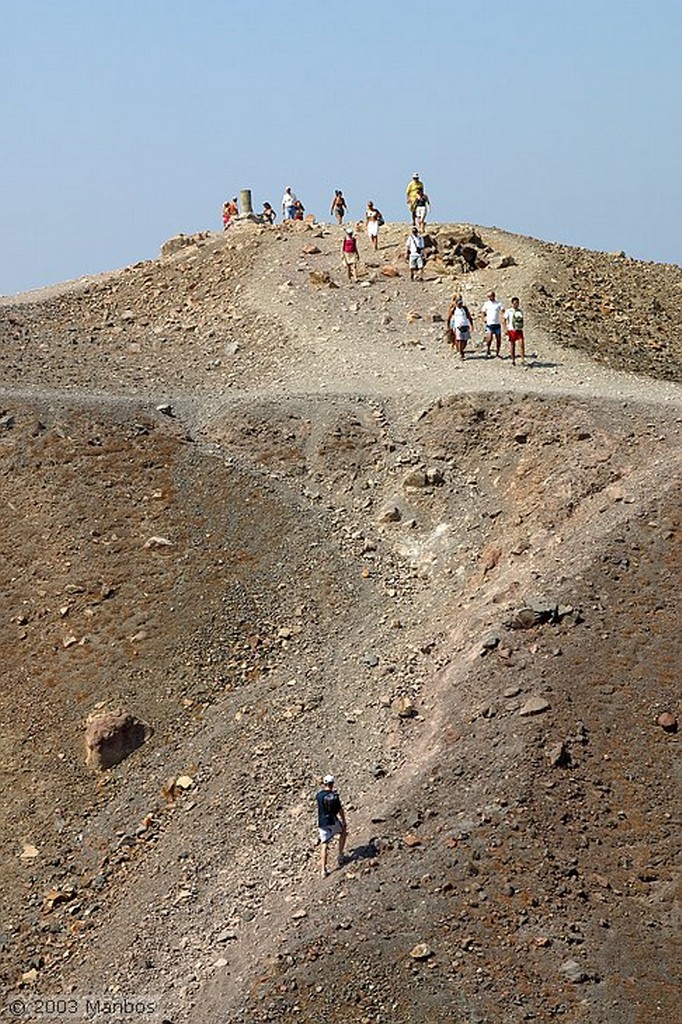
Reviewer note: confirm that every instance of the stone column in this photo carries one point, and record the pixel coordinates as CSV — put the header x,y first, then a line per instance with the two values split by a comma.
x,y
245,201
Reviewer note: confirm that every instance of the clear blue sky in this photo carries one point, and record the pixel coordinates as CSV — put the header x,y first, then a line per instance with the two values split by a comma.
x,y
126,121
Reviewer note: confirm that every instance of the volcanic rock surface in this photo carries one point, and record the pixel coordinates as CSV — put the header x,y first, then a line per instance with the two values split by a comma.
x,y
282,523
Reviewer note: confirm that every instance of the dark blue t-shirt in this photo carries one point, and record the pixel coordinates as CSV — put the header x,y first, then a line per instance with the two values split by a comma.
x,y
328,807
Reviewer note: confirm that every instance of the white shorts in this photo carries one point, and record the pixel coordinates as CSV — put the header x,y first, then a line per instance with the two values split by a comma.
x,y
372,228
328,833
416,262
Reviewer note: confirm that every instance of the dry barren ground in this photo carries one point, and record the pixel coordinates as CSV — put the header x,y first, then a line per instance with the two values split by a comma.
x,y
280,521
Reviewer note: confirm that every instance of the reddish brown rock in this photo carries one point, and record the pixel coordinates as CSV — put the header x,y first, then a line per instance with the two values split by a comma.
x,y
667,721
112,735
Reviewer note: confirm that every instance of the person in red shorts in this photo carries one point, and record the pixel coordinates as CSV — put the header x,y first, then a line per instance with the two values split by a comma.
x,y
513,319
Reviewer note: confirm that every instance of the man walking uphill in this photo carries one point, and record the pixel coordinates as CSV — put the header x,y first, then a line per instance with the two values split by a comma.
x,y
331,821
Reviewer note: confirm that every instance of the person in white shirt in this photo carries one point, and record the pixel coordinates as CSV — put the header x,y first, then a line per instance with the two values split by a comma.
x,y
372,222
460,323
289,201
414,250
513,319
492,318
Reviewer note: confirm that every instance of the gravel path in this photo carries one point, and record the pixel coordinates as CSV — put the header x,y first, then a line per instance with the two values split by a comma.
x,y
341,343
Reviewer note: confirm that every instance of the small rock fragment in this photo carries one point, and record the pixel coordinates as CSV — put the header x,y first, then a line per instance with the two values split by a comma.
x,y
534,706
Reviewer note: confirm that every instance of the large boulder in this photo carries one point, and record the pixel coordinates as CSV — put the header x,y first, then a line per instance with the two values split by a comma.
x,y
111,735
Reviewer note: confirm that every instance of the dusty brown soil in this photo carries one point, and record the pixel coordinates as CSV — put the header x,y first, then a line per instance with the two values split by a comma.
x,y
274,635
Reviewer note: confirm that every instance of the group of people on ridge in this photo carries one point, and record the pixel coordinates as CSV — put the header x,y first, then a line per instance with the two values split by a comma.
x,y
460,324
293,209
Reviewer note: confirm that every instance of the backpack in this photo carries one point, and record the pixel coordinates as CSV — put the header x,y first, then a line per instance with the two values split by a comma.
x,y
331,806
380,219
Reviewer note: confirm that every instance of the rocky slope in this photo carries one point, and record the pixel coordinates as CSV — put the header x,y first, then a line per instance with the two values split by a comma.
x,y
334,547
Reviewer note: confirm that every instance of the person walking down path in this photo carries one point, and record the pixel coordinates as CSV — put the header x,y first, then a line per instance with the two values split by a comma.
x,y
373,221
230,210
351,256
492,318
421,205
461,324
289,201
514,330
331,822
414,250
338,207
414,186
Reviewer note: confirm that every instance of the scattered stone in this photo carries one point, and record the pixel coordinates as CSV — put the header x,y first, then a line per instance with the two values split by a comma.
x,y
412,840
498,262
165,409
390,514
434,477
404,708
389,271
573,972
668,722
512,691
311,250
489,644
525,618
416,479
558,755
534,706
422,951
110,737
184,781
29,851
319,277
157,542
490,557
413,316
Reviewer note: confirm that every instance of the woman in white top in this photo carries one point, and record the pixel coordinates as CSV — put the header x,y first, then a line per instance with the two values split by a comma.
x,y
460,323
372,220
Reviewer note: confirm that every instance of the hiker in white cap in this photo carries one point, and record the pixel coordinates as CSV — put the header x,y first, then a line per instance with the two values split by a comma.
x,y
331,821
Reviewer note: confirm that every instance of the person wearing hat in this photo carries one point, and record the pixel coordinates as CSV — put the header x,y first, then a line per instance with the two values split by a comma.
x,y
331,821
414,187
351,256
